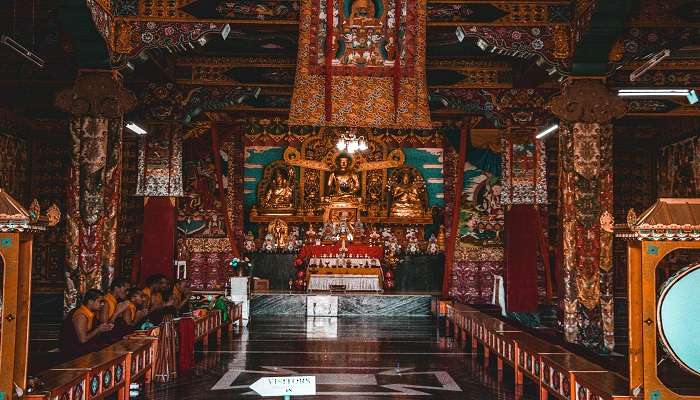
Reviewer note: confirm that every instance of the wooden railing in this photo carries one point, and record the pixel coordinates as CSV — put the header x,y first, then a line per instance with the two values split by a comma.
x,y
111,370
559,373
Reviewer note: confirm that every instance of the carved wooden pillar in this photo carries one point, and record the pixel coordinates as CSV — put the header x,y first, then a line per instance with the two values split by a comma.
x,y
97,103
586,109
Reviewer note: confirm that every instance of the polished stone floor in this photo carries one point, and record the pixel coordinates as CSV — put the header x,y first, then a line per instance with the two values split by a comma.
x,y
352,358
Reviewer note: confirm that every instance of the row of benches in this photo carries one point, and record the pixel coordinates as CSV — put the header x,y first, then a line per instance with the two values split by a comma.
x,y
112,370
558,372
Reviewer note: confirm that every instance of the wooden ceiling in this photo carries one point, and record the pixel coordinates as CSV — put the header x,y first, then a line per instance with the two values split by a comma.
x,y
518,46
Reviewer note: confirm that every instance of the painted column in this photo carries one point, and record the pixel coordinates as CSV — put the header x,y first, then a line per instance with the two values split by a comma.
x,y
97,103
586,109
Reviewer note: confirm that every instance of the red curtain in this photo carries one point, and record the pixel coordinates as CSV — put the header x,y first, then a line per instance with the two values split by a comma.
x,y
158,246
522,244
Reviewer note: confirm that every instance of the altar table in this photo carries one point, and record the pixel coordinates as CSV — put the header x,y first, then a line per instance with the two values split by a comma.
x,y
351,282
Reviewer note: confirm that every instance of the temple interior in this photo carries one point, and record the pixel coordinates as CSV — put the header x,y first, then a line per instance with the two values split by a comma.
x,y
349,199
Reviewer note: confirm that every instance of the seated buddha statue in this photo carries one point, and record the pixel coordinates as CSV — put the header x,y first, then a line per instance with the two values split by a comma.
x,y
407,198
343,184
279,193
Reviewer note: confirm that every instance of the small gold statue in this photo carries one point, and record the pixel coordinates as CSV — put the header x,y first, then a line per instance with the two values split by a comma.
x,y
279,193
407,197
279,231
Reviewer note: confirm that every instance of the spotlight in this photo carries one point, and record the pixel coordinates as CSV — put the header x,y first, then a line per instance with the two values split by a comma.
x,y
692,97
651,63
132,126
652,92
225,31
460,33
547,131
21,50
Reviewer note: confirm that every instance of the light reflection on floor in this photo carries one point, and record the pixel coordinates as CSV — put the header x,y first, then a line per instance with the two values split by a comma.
x,y
352,358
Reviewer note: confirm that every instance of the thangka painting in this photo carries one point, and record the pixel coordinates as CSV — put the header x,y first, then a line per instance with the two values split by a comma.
x,y
200,212
679,169
429,162
160,161
524,172
481,218
364,67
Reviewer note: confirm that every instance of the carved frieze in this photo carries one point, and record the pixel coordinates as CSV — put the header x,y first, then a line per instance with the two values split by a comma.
x,y
587,100
97,94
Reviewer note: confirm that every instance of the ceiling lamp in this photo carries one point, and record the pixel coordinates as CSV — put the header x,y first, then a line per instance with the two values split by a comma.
x,y
351,143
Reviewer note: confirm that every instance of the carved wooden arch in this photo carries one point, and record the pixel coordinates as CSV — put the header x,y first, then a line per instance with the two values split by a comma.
x,y
317,157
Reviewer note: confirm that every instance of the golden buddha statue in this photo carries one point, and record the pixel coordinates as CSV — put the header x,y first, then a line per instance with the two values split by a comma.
x,y
407,197
279,193
343,183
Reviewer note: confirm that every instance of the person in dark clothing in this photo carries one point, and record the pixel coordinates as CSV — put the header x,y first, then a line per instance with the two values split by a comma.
x,y
81,329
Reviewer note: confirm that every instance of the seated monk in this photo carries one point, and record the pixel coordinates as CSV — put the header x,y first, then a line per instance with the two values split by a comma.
x,y
181,295
81,328
156,286
115,300
135,311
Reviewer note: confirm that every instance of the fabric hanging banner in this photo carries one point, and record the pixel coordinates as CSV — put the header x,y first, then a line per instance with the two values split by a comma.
x,y
348,72
522,243
160,161
524,172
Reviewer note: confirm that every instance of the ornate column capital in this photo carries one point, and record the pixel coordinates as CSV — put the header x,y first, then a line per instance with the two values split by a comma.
x,y
96,93
587,100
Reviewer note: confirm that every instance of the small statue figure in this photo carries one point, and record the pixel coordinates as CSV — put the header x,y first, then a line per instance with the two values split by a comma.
x,y
433,247
407,197
279,231
249,243
441,237
374,237
280,192
311,235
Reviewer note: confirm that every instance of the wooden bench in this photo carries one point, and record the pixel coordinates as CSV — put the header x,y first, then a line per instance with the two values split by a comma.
x,y
140,357
558,374
105,374
601,386
528,350
63,385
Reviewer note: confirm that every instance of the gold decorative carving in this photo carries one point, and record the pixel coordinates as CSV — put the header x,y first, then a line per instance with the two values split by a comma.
x,y
34,211
617,51
208,245
562,42
587,100
53,215
123,38
607,223
631,218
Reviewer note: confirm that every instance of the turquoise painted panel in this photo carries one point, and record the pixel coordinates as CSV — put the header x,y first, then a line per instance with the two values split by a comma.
x,y
256,158
677,321
430,164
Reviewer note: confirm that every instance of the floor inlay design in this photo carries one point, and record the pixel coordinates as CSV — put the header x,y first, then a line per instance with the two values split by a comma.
x,y
383,382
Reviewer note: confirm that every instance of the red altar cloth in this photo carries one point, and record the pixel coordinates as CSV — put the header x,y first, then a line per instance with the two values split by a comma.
x,y
308,250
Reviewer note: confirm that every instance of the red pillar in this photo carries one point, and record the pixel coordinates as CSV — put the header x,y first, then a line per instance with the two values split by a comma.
x,y
456,208
158,245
